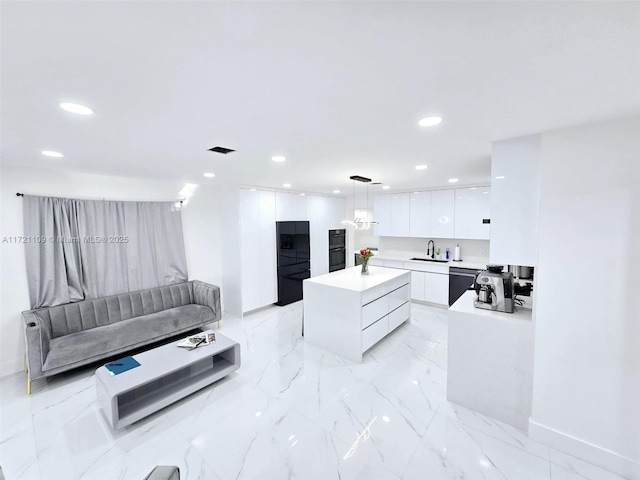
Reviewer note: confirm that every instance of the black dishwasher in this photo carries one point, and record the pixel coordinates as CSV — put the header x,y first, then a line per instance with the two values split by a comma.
x,y
460,280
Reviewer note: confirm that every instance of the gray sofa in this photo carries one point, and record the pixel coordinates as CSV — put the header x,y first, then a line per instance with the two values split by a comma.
x,y
67,336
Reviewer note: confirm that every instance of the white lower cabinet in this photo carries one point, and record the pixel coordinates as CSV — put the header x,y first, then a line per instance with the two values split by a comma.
x,y
417,285
429,283
436,288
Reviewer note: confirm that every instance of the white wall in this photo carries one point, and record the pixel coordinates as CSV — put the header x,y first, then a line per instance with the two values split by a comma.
x,y
201,226
586,395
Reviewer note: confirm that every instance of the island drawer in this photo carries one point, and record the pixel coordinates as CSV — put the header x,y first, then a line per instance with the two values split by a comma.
x,y
375,310
370,295
374,333
399,315
398,297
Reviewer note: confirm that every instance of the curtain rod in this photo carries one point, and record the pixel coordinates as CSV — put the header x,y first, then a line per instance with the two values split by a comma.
x,y
18,194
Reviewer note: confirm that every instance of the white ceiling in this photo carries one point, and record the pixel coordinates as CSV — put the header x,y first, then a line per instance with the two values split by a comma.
x,y
336,87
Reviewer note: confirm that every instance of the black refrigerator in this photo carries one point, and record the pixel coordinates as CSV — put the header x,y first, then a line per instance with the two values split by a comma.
x,y
294,255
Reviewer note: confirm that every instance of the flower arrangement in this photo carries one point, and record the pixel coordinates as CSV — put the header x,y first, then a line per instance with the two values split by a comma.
x,y
365,254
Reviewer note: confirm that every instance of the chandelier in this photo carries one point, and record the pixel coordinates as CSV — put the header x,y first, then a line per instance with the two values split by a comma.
x,y
360,223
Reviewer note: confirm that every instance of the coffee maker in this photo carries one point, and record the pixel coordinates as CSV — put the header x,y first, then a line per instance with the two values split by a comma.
x,y
494,289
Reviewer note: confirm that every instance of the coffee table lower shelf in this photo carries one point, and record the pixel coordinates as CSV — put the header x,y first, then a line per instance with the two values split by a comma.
x,y
166,374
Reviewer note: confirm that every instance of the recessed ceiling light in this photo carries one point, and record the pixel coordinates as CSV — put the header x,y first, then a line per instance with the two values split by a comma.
x,y
278,158
51,153
474,188
209,175
76,108
421,167
430,121
302,194
386,187
485,193
336,191
286,185
499,177
453,180
252,189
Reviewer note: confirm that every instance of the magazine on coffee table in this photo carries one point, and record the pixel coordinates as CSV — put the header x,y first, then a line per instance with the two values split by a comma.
x,y
198,340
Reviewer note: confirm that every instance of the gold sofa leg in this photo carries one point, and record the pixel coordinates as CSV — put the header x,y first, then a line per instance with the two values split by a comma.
x,y
26,370
218,324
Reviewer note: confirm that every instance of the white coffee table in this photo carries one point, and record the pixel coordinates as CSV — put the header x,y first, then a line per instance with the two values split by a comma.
x,y
166,374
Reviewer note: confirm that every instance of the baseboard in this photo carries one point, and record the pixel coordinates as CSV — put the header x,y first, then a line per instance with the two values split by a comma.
x,y
594,454
9,368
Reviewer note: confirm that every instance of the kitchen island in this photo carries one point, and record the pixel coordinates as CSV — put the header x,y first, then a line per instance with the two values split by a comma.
x,y
347,313
490,360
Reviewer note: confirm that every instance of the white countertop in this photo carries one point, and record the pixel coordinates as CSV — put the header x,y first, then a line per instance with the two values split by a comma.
x,y
476,264
352,279
465,305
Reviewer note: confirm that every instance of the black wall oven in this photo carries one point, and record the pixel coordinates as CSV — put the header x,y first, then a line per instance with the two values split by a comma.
x,y
337,249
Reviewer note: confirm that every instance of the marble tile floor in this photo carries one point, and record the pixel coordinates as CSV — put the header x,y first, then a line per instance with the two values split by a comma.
x,y
292,411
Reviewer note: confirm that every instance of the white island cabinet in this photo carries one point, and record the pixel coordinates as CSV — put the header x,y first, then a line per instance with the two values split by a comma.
x,y
347,313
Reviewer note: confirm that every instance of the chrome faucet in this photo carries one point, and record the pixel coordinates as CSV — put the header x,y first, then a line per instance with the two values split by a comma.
x,y
431,247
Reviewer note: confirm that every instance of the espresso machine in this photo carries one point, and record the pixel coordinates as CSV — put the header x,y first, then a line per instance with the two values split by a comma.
x,y
494,289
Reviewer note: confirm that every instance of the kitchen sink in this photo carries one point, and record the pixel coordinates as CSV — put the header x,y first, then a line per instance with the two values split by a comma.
x,y
430,260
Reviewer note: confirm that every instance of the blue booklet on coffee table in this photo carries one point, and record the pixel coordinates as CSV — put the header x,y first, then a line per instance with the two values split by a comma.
x,y
122,365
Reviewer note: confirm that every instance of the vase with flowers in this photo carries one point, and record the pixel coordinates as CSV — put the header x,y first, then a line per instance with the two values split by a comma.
x,y
365,255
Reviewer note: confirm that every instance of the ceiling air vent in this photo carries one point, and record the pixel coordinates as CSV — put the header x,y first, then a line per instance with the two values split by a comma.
x,y
221,150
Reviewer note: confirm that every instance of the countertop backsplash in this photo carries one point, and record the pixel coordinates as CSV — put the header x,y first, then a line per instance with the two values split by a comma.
x,y
470,250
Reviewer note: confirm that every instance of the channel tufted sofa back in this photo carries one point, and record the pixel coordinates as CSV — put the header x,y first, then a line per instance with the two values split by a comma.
x,y
75,317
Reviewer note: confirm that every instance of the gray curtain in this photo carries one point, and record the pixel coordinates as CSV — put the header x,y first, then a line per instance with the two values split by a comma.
x,y
78,249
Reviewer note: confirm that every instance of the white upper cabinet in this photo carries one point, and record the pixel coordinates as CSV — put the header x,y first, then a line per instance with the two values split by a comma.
x,y
400,215
420,214
442,213
473,207
290,207
392,214
382,215
515,191
435,214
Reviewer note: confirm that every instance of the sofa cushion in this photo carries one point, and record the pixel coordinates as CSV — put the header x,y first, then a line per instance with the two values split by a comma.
x,y
89,345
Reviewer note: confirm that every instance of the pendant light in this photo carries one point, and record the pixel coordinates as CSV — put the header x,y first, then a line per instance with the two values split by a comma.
x,y
359,223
